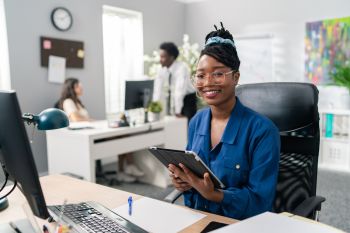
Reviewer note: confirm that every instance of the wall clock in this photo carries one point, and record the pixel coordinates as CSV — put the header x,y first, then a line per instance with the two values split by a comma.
x,y
61,18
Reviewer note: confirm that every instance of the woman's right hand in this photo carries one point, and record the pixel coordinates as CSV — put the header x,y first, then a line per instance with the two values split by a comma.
x,y
177,182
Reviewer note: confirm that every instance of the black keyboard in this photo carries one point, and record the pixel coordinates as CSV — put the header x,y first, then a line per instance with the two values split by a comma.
x,y
93,217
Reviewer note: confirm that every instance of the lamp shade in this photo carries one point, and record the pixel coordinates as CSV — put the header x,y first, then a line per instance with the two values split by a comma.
x,y
51,118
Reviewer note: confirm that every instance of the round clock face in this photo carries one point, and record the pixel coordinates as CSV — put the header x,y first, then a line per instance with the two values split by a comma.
x,y
61,18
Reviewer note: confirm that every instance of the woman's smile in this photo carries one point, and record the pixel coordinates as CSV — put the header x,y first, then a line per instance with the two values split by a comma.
x,y
211,93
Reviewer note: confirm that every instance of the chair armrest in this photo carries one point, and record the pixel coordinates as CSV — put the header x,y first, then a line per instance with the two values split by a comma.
x,y
308,206
173,196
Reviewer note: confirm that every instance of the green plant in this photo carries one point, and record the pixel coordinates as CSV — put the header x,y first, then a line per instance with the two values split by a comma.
x,y
340,75
155,107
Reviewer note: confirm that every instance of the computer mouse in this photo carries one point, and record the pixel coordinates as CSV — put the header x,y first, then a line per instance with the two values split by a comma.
x,y
4,203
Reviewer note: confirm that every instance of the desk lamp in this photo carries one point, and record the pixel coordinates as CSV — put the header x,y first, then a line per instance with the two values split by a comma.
x,y
51,118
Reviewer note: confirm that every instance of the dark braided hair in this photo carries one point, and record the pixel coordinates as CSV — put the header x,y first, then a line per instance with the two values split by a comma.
x,y
224,53
69,93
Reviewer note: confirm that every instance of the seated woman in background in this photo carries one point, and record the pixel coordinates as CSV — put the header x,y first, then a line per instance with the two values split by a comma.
x,y
71,104
240,146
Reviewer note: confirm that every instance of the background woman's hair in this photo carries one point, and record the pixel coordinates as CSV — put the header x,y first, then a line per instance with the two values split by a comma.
x,y
69,93
224,53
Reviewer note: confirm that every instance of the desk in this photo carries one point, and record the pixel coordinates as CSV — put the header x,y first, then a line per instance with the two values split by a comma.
x,y
76,151
56,188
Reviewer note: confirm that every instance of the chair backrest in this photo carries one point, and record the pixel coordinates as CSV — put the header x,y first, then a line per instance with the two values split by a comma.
x,y
293,109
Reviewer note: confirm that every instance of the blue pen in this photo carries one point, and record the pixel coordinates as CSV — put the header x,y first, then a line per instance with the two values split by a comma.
x,y
130,205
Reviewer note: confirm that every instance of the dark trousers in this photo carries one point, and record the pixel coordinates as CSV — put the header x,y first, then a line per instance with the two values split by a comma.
x,y
190,106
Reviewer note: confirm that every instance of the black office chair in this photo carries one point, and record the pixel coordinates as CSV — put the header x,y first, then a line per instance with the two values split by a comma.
x,y
293,108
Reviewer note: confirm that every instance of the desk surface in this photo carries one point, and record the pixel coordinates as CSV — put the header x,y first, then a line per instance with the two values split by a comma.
x,y
56,188
101,129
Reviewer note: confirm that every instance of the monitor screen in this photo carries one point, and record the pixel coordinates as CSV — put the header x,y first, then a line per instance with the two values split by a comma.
x,y
138,94
16,155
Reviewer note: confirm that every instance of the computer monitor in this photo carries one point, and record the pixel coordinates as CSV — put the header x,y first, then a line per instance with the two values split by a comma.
x,y
138,94
16,155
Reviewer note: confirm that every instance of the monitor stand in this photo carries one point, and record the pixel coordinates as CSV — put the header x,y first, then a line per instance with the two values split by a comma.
x,y
146,116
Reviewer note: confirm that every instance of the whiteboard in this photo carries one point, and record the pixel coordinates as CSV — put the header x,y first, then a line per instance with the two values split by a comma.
x,y
255,54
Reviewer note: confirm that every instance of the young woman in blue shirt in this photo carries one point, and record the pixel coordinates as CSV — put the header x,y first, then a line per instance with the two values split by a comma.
x,y
240,146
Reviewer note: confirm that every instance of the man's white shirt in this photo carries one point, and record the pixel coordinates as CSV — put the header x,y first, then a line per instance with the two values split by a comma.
x,y
180,85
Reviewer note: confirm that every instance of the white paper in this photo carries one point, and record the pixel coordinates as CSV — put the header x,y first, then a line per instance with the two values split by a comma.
x,y
57,69
158,216
80,125
276,223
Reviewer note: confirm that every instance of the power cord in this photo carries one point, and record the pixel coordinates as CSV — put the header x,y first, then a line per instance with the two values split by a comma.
x,y
13,188
6,178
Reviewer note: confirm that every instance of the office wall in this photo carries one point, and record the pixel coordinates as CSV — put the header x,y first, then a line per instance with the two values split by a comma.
x,y
28,20
285,20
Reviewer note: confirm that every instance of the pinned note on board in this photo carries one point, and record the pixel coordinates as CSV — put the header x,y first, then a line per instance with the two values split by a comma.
x,y
57,69
80,53
47,44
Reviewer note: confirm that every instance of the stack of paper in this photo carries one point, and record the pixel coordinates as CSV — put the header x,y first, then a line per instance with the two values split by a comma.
x,y
276,223
80,125
158,216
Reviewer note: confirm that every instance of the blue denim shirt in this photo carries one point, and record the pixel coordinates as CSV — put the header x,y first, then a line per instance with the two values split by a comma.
x,y
246,161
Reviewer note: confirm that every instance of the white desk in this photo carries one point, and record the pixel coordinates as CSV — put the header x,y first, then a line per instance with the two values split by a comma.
x,y
76,151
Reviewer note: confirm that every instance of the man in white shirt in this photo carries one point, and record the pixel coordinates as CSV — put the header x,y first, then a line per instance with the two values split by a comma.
x,y
172,84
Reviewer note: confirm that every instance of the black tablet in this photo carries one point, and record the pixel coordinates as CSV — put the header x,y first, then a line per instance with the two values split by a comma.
x,y
188,158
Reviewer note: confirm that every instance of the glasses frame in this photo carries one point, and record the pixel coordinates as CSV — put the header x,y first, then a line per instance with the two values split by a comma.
x,y
193,78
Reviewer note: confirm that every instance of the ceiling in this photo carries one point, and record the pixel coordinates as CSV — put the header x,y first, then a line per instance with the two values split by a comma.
x,y
190,1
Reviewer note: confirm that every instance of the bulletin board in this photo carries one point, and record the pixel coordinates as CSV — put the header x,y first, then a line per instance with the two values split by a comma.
x,y
73,51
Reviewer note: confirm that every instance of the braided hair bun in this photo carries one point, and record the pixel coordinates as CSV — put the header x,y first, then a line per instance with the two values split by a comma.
x,y
225,53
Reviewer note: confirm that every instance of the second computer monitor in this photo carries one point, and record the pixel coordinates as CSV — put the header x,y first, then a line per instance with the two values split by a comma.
x,y
138,94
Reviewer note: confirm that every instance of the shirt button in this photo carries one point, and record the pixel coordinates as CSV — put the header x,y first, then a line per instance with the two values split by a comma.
x,y
238,166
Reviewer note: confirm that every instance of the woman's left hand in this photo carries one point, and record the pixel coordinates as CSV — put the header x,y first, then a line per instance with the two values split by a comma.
x,y
203,185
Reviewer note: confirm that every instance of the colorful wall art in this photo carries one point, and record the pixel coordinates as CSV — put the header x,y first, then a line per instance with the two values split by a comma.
x,y
327,43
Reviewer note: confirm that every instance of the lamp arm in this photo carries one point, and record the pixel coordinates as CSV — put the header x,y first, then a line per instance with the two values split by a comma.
x,y
29,118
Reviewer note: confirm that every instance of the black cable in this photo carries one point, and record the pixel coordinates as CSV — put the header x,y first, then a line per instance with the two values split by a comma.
x,y
13,188
6,179
3,186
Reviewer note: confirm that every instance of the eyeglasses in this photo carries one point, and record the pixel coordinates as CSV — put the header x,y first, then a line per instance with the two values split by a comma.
x,y
218,77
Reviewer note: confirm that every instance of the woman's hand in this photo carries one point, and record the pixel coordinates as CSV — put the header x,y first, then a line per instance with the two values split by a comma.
x,y
177,182
203,185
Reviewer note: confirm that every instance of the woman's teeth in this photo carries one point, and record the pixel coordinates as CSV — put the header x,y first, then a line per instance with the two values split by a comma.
x,y
212,92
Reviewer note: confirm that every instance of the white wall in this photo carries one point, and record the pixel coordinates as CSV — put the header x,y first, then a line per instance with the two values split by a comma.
x,y
284,19
28,20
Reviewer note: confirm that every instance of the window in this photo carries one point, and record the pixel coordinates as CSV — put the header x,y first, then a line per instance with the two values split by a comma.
x,y
123,53
4,56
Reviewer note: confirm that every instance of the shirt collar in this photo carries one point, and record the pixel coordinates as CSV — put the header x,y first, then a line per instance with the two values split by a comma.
x,y
204,125
234,123
232,127
172,67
